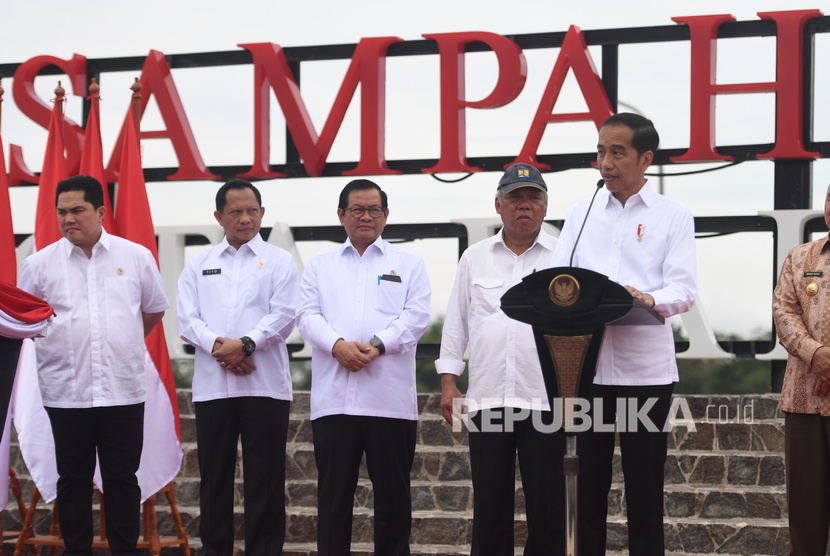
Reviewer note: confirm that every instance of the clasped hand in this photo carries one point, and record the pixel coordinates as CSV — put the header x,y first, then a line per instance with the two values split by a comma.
x,y
229,354
354,355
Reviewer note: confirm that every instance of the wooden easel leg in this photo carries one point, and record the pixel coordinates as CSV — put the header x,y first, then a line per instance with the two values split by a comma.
x,y
177,519
27,531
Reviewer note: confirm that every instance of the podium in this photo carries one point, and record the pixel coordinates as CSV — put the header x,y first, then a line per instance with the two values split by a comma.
x,y
569,308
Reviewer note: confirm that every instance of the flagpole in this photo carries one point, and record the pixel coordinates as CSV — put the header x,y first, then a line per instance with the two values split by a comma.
x,y
95,92
59,93
136,89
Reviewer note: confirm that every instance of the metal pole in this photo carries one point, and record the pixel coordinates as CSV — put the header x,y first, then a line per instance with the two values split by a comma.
x,y
571,471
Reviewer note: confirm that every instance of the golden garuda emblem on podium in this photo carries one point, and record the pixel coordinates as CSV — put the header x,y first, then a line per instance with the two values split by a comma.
x,y
564,290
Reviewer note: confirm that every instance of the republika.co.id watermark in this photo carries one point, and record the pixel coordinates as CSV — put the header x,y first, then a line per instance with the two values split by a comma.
x,y
576,415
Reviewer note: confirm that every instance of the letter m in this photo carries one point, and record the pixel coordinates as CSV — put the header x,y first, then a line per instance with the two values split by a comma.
x,y
368,67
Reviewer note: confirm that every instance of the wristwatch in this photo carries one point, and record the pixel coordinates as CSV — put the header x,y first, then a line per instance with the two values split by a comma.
x,y
378,343
248,345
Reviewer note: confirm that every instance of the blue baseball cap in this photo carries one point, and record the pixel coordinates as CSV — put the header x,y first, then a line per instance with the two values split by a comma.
x,y
521,175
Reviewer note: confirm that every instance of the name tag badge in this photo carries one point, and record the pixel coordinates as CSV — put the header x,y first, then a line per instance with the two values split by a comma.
x,y
209,271
817,273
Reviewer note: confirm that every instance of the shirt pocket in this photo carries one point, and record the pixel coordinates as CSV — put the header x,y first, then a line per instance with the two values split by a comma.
x,y
391,297
122,295
486,295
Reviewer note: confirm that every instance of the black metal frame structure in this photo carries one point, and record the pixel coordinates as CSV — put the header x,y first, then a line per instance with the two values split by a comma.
x,y
792,178
789,175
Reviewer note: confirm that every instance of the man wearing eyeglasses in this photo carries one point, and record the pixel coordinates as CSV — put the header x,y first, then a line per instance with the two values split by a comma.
x,y
363,306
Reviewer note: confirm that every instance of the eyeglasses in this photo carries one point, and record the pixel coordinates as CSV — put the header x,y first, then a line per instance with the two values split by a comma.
x,y
358,212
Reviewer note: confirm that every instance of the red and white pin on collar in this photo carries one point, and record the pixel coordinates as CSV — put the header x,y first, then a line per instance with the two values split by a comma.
x,y
640,232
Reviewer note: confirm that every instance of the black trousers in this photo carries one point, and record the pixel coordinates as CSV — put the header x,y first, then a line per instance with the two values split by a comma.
x,y
263,425
807,457
9,355
117,434
339,444
643,454
493,466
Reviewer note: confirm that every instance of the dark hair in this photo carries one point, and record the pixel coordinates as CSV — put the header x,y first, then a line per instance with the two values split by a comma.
x,y
236,183
93,192
645,137
359,185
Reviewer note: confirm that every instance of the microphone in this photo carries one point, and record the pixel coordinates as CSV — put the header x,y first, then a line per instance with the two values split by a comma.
x,y
600,183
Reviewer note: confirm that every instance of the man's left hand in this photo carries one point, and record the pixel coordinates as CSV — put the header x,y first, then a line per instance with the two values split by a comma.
x,y
371,351
644,297
231,356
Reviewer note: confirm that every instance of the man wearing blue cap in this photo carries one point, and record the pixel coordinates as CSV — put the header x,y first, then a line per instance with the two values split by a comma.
x,y
506,399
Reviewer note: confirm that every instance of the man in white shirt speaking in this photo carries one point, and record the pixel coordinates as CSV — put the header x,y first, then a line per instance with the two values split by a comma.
x,y
506,399
237,306
364,305
646,242
108,295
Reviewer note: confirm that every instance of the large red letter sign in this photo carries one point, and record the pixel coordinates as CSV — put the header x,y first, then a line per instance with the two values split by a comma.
x,y
787,87
368,67
157,80
512,77
573,55
39,112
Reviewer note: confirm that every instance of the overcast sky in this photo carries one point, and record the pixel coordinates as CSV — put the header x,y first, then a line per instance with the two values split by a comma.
x,y
654,78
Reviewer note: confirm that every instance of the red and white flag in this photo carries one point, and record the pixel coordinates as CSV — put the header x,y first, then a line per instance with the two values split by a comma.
x,y
54,170
92,158
8,270
162,454
8,274
34,431
161,464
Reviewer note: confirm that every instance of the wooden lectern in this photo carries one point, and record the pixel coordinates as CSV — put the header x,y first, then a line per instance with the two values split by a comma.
x,y
569,309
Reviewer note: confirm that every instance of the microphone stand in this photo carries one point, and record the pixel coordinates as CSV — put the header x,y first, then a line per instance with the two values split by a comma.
x,y
570,461
600,183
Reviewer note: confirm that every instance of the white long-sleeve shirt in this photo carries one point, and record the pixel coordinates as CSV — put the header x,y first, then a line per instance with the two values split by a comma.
x,y
233,293
384,293
648,244
93,354
504,364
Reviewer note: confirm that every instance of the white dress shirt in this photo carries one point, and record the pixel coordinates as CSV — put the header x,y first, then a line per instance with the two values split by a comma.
x,y
344,295
234,293
648,244
504,364
93,354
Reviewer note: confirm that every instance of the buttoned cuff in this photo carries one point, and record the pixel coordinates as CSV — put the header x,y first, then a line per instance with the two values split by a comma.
x,y
390,342
258,337
450,366
208,341
330,340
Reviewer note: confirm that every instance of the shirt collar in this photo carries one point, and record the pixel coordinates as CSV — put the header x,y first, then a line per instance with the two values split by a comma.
x,y
646,195
377,243
542,239
104,242
256,244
